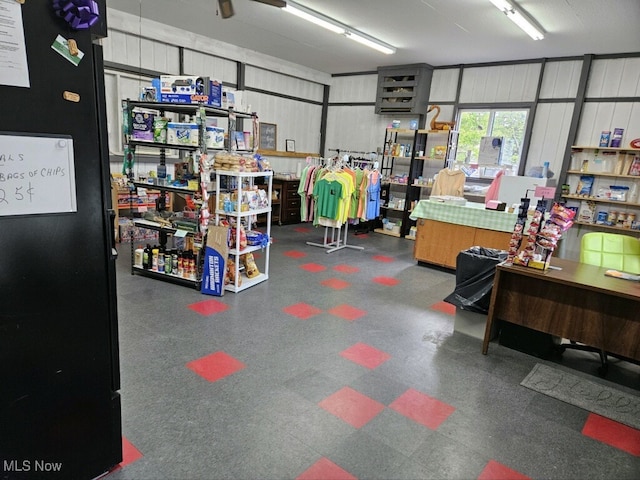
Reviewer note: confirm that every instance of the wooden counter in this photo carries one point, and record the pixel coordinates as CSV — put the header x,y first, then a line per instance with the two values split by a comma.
x,y
439,243
444,230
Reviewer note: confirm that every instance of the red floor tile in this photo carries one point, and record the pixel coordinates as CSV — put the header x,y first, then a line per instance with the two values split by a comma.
x,y
302,229
496,471
346,269
347,312
352,407
335,283
302,311
294,254
383,258
208,307
215,366
612,433
362,235
365,355
325,469
422,408
444,307
129,453
313,267
388,281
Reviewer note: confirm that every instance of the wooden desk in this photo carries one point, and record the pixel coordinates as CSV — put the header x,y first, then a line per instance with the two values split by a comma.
x,y
578,302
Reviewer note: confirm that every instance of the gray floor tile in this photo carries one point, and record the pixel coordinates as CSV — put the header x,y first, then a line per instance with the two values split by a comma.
x,y
264,422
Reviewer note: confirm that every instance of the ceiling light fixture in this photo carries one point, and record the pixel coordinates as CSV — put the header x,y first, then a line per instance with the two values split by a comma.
x,y
337,27
519,18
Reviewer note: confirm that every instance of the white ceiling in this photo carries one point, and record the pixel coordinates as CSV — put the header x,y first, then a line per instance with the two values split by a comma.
x,y
436,32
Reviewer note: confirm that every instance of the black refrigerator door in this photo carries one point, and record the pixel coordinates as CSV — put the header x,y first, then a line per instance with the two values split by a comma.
x,y
59,379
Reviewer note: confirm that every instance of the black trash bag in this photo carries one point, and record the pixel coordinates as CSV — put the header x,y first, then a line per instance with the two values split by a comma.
x,y
475,270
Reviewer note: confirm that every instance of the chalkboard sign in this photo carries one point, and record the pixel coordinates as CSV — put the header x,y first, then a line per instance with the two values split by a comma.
x,y
37,174
268,136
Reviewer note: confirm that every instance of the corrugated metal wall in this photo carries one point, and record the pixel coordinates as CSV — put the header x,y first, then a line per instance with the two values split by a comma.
x,y
500,84
129,49
197,63
290,95
560,79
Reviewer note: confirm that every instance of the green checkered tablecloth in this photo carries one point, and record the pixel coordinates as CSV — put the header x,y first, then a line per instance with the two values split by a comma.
x,y
471,215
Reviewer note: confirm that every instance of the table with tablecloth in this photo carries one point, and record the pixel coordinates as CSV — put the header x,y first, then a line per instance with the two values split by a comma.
x,y
445,229
472,215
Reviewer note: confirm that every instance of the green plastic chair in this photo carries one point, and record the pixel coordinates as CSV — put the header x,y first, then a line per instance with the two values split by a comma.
x,y
611,250
608,250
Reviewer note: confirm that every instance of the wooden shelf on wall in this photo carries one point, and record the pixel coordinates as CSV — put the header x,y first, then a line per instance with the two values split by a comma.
x,y
278,153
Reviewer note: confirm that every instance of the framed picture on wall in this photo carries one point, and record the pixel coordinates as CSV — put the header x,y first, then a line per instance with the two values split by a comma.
x,y
290,145
268,135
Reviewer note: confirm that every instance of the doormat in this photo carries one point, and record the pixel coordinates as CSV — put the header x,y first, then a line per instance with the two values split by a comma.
x,y
591,396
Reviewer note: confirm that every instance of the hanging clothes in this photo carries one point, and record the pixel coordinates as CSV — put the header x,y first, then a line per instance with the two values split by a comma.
x,y
373,195
449,182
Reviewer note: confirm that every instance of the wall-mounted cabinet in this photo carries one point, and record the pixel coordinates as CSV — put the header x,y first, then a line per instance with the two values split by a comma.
x,y
403,89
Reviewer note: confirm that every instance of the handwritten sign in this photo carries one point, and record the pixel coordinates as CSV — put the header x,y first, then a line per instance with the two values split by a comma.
x,y
37,174
545,192
268,136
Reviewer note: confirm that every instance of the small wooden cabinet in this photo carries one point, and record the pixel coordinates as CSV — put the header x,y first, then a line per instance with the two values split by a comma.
x,y
439,243
290,201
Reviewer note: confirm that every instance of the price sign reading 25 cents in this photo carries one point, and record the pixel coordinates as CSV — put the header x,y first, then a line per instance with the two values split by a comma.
x,y
37,174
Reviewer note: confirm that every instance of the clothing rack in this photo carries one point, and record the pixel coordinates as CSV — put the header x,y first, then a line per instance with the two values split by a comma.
x,y
336,242
359,160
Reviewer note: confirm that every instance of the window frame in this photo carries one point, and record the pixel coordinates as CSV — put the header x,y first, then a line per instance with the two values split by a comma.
x,y
492,109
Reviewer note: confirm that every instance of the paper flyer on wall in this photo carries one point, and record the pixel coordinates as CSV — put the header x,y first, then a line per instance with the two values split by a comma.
x,y
14,70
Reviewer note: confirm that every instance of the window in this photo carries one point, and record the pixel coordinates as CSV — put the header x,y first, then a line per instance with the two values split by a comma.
x,y
508,125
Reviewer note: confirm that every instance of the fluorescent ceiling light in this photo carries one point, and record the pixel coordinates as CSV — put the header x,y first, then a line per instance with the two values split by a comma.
x,y
313,18
337,27
375,44
517,17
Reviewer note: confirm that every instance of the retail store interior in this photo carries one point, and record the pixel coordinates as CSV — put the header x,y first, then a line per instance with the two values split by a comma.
x,y
411,256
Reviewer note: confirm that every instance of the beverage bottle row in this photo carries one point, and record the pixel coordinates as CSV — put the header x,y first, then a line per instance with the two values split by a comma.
x,y
174,262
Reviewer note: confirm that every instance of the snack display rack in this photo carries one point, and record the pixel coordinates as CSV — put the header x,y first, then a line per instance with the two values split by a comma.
x,y
197,188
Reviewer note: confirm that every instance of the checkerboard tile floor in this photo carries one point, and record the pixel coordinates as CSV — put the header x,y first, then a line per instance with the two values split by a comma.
x,y
372,383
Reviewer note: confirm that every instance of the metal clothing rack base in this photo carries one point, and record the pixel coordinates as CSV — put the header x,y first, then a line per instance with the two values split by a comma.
x,y
336,242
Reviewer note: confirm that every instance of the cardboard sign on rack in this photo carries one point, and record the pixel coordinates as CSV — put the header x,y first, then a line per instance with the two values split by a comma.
x,y
215,259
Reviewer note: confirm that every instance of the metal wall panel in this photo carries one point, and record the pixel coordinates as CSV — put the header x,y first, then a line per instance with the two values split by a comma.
x,y
444,85
446,114
597,117
549,136
501,83
283,84
196,63
166,34
618,77
560,79
119,86
354,89
356,128
127,49
296,120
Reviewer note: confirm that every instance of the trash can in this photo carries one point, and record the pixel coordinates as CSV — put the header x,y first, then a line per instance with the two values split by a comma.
x,y
475,271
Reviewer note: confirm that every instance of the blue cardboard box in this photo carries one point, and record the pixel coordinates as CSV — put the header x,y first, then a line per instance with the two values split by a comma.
x,y
190,89
215,260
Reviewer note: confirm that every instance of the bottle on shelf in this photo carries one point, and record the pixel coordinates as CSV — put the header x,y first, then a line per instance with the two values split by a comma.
x,y
161,260
146,257
138,259
154,258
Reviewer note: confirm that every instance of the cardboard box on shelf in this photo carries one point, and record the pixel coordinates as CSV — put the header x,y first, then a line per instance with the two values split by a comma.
x,y
190,89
